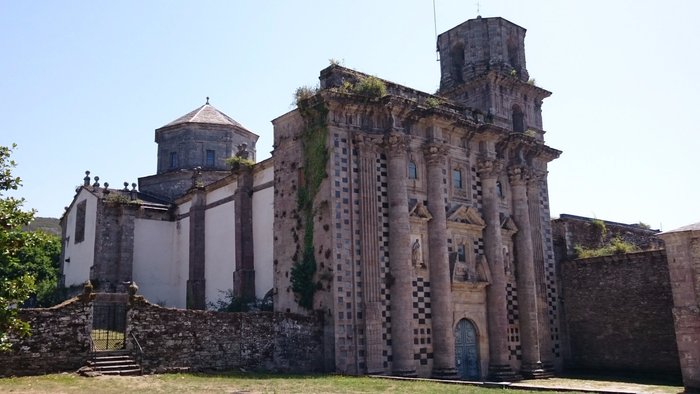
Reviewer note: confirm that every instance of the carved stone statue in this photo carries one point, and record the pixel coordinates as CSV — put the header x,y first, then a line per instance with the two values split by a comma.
x,y
417,254
243,151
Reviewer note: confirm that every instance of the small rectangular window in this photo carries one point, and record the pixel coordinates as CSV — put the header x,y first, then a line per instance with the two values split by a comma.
x,y
173,159
412,170
461,254
80,221
457,179
211,158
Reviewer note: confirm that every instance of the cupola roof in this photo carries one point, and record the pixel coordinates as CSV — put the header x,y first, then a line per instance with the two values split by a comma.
x,y
205,114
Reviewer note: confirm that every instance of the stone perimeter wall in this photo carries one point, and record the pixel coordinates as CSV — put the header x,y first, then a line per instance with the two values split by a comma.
x,y
59,341
618,314
179,339
172,340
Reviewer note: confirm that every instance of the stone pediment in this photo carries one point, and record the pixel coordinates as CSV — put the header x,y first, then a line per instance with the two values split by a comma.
x,y
507,224
467,215
419,211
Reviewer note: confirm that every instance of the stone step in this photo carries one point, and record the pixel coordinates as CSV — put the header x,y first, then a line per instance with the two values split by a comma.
x,y
112,358
103,368
123,372
115,362
97,364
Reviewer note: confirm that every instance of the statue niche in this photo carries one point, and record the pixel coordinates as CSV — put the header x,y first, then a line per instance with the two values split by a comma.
x,y
470,270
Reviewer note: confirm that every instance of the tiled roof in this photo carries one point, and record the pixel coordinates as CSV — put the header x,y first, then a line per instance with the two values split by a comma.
x,y
690,227
205,114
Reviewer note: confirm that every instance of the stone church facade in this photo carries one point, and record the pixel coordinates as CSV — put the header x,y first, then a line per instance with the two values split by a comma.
x,y
431,231
418,224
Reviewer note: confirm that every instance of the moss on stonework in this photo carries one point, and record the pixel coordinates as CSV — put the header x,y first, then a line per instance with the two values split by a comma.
x,y
315,158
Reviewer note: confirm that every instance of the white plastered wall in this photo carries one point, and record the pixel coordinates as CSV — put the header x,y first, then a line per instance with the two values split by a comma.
x,y
219,250
263,211
157,268
81,254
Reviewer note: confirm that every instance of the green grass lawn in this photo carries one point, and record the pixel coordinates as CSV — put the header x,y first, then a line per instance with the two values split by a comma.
x,y
230,383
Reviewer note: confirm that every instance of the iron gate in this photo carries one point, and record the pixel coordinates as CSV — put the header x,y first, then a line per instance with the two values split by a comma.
x,y
108,326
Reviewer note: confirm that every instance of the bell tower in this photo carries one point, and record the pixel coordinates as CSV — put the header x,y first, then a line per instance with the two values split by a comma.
x,y
482,65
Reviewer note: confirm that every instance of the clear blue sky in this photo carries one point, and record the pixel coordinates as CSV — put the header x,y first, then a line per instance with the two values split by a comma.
x,y
84,84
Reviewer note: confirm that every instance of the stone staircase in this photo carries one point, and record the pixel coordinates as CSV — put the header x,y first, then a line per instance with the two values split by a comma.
x,y
114,362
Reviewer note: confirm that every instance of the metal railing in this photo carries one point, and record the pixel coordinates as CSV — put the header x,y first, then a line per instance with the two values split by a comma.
x,y
139,349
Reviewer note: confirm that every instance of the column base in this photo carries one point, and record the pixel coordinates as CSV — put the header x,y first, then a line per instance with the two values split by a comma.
x,y
503,373
445,373
535,371
408,373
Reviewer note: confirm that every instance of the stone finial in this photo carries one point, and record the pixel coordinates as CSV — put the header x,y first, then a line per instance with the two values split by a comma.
x,y
197,177
88,288
133,288
106,185
86,180
126,186
133,186
207,103
97,183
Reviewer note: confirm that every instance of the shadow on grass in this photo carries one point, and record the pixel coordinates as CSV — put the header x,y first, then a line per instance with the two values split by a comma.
x,y
625,377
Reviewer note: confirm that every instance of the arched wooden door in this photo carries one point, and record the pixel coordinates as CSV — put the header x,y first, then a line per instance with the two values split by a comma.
x,y
467,350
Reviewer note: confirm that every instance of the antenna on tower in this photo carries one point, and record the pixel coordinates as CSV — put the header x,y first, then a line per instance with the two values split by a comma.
x,y
437,50
478,8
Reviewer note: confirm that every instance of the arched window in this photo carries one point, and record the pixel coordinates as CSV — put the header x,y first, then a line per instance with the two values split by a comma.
x,y
518,119
412,170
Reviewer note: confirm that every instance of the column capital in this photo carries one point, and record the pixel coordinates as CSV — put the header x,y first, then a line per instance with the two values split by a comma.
x,y
435,153
519,175
366,143
395,144
489,167
536,177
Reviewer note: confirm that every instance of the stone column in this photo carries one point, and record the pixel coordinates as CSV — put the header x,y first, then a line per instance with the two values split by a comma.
x,y
399,282
196,281
527,292
534,185
369,241
244,273
439,266
499,366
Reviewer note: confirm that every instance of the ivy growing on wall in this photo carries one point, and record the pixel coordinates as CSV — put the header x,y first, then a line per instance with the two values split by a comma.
x,y
315,157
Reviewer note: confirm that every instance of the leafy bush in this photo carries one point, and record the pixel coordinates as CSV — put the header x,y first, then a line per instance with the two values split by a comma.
x,y
230,303
616,246
370,86
432,102
303,93
235,162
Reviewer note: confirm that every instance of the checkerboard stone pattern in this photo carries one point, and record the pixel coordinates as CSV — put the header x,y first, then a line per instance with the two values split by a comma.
x,y
383,214
550,272
513,322
346,295
422,341
476,193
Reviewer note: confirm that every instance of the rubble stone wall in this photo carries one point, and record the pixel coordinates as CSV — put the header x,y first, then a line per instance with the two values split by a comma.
x,y
618,314
179,339
59,341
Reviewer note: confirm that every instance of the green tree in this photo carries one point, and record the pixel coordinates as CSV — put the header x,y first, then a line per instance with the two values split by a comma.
x,y
14,289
